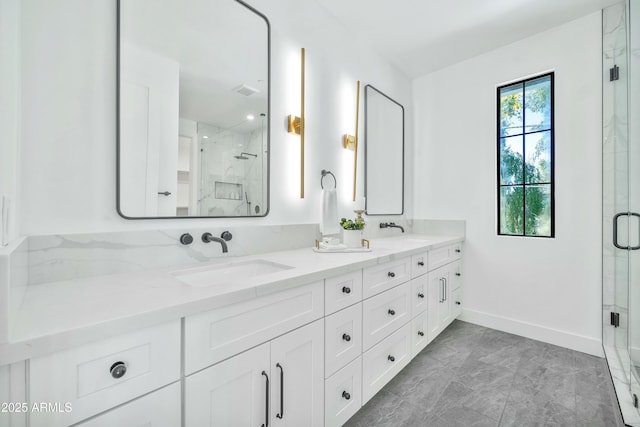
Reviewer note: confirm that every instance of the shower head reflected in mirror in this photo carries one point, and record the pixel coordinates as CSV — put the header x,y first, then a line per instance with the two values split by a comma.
x,y
243,156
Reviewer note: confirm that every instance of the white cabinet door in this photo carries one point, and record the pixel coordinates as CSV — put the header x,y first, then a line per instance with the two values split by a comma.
x,y
231,393
438,311
444,313
297,370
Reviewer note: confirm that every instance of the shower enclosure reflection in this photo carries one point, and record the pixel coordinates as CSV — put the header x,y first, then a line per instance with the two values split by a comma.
x,y
231,163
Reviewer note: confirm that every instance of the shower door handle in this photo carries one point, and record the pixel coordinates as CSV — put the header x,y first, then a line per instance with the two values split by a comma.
x,y
615,231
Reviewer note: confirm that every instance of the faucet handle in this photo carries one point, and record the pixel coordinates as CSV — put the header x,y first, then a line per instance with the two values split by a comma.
x,y
226,235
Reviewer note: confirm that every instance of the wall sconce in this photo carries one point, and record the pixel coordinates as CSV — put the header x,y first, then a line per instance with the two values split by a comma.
x,y
350,142
296,124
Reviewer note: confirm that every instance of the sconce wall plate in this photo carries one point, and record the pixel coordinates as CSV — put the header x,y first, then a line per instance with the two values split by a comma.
x,y
295,124
350,142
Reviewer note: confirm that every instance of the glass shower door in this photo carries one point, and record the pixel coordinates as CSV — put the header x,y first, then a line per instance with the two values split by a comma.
x,y
633,25
616,187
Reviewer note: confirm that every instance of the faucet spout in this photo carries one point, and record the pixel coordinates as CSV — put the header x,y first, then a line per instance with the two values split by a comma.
x,y
208,238
391,225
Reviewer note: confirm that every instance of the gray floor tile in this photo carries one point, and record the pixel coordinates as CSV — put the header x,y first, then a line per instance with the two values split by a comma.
x,y
387,410
421,384
475,376
457,397
482,376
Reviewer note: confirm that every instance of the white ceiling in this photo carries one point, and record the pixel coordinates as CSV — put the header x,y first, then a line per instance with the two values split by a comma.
x,y
421,36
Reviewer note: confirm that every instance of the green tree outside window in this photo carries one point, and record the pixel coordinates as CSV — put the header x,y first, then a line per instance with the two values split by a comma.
x,y
525,158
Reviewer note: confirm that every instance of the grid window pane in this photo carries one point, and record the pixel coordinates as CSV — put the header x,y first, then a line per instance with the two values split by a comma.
x,y
525,157
511,110
512,210
538,157
538,210
537,100
511,160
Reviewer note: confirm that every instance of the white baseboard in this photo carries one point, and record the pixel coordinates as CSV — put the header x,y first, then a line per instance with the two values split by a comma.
x,y
529,330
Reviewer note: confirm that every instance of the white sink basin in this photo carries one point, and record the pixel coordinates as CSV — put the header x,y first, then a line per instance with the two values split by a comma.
x,y
228,273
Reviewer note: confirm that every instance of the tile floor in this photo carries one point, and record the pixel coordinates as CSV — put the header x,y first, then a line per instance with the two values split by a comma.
x,y
475,376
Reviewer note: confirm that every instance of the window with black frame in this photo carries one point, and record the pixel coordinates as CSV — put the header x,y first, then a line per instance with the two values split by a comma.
x,y
525,158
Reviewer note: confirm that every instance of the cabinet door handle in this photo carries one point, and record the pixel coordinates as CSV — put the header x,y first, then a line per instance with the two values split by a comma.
x,y
281,414
457,251
421,263
458,303
392,312
346,395
458,274
346,290
391,358
440,290
421,333
391,274
420,295
266,402
445,289
346,337
164,193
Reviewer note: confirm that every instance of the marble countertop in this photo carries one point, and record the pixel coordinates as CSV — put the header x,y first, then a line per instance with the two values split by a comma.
x,y
63,314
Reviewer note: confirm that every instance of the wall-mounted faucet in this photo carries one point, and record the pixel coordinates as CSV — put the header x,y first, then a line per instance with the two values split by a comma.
x,y
223,239
391,225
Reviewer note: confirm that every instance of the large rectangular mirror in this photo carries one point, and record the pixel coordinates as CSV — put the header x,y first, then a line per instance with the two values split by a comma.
x,y
384,153
193,109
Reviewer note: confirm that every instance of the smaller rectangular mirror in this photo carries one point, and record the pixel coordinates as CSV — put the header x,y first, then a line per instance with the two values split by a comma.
x,y
384,153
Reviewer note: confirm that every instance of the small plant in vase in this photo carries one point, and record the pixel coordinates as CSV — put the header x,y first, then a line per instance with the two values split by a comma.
x,y
352,232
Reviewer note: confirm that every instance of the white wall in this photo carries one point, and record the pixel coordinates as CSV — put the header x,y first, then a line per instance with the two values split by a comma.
x,y
9,113
67,172
548,289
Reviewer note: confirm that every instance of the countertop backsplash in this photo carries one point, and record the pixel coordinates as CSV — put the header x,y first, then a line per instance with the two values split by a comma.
x,y
64,257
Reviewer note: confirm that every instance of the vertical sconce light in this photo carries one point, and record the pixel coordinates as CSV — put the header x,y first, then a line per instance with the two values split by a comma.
x,y
296,124
350,142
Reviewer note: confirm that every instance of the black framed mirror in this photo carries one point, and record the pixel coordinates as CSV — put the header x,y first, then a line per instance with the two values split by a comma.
x,y
384,153
193,109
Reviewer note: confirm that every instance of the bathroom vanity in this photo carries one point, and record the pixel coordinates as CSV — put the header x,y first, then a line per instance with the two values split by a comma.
x,y
287,338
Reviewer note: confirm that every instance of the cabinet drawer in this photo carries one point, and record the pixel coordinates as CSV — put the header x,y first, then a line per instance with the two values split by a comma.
x,y
83,377
382,277
456,274
419,264
385,313
419,333
343,338
158,409
218,334
342,291
419,294
384,361
445,255
456,302
343,394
